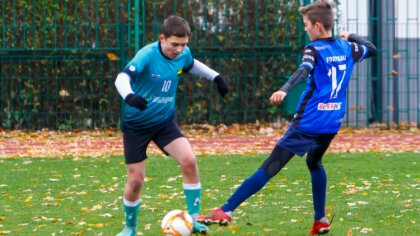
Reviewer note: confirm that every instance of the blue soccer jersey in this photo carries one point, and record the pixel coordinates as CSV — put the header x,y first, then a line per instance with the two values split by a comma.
x,y
155,78
322,105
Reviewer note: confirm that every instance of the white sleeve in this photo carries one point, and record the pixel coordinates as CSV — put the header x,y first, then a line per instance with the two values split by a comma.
x,y
123,84
202,70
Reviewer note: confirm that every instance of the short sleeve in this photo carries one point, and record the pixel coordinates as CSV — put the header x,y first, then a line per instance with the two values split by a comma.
x,y
358,52
309,58
139,62
189,61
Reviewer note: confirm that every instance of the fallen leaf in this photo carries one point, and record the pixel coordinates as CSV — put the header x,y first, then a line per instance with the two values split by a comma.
x,y
394,73
111,56
396,56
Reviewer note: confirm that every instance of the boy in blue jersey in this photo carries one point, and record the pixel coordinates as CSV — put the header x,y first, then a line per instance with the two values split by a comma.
x,y
148,85
328,62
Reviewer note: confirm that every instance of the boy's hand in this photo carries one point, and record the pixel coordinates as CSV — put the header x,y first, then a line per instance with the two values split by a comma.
x,y
136,101
221,85
277,97
345,35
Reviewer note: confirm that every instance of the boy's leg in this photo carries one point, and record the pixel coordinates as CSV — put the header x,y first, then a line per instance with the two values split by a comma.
x,y
271,166
170,140
321,224
318,174
250,186
131,197
192,194
274,163
131,210
180,149
135,154
319,188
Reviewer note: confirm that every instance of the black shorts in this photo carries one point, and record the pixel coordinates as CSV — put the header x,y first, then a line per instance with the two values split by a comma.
x,y
299,142
135,145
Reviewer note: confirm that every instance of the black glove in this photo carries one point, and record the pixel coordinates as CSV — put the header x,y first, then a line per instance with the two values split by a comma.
x,y
136,101
221,85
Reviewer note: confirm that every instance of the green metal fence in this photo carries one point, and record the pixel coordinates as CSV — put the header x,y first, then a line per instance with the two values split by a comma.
x,y
385,89
255,45
59,60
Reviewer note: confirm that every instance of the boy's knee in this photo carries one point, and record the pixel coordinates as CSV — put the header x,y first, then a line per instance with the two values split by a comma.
x,y
314,164
188,162
136,184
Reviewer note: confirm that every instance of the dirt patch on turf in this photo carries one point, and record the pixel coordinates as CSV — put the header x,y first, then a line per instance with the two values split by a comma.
x,y
204,142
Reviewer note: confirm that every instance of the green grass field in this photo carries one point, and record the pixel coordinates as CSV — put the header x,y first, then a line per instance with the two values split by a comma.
x,y
373,194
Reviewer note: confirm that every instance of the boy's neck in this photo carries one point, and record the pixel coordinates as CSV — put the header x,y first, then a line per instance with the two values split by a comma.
x,y
324,35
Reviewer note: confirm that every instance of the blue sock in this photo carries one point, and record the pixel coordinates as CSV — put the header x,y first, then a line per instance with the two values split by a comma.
x,y
247,189
319,191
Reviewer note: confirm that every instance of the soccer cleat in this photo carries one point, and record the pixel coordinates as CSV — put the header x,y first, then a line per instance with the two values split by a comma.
x,y
217,216
199,228
321,226
127,232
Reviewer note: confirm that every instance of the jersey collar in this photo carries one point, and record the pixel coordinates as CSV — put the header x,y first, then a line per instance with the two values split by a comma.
x,y
329,39
161,52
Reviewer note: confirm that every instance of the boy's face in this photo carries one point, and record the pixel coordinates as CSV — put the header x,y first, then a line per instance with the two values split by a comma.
x,y
173,45
313,30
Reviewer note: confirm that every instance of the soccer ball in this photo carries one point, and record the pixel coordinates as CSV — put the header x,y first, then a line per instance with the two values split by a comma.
x,y
177,223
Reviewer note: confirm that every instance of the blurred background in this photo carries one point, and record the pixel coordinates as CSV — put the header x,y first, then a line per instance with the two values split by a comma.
x,y
59,60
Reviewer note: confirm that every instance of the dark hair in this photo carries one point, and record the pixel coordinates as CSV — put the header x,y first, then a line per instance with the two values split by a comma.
x,y
320,11
175,26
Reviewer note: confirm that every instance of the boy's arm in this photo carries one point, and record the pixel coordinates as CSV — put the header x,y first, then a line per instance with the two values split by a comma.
x,y
126,76
300,75
122,83
308,63
352,37
200,69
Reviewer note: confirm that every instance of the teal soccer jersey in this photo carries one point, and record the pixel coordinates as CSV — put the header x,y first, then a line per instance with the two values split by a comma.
x,y
155,78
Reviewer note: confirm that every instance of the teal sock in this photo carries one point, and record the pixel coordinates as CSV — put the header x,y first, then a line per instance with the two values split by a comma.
x,y
192,194
131,210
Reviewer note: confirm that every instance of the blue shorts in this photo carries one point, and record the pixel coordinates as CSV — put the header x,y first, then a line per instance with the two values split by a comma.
x,y
135,145
299,142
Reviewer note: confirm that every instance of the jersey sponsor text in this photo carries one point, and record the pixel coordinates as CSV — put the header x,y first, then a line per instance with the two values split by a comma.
x,y
163,99
329,106
336,58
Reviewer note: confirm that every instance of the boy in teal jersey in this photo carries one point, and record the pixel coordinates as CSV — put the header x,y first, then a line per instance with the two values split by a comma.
x,y
148,85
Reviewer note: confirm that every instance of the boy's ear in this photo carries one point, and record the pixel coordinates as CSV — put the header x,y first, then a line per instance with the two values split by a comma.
x,y
161,37
319,26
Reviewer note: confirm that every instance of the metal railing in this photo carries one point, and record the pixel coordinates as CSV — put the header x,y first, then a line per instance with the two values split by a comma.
x,y
59,60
